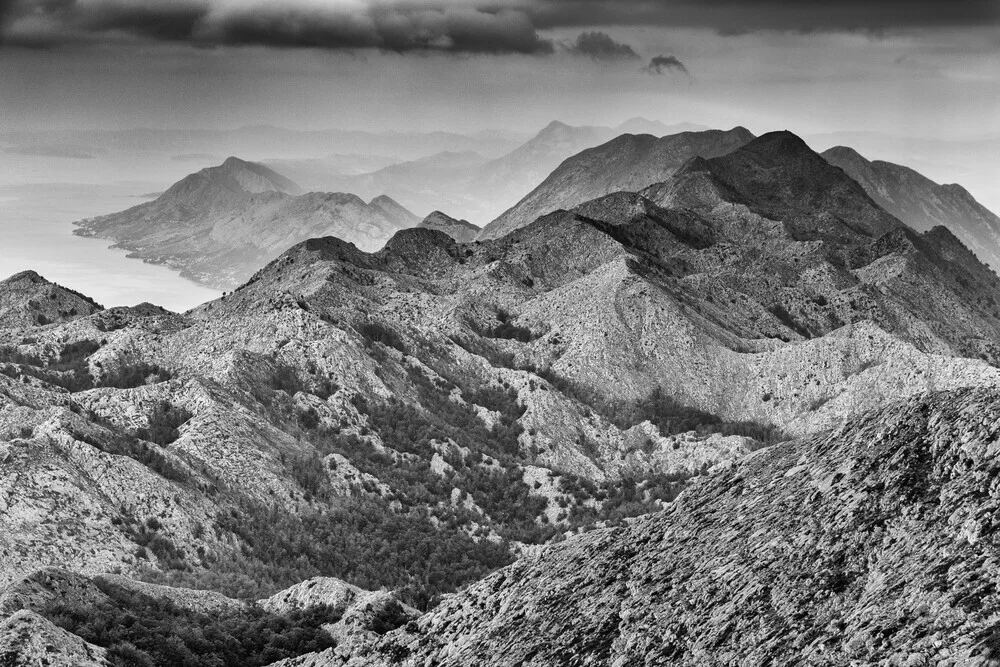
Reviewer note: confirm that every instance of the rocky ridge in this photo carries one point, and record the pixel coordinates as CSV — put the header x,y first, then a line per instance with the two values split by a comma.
x,y
462,231
628,162
923,204
27,300
872,544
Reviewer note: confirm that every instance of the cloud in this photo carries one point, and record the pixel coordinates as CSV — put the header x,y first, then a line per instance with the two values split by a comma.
x,y
446,25
664,65
735,17
600,46
466,26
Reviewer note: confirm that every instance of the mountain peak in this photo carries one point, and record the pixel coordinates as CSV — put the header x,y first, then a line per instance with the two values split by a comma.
x,y
781,178
241,175
24,276
27,300
383,200
393,209
844,153
233,162
555,126
780,145
462,231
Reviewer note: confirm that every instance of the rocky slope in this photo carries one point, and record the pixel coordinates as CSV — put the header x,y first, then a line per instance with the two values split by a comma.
x,y
874,544
462,231
219,225
923,204
36,609
629,162
28,640
27,300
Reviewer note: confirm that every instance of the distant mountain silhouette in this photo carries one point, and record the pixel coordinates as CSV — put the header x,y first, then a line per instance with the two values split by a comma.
x,y
478,188
922,204
218,225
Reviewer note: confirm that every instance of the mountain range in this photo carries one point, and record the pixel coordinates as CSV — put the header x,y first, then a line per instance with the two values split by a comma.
x,y
277,142
722,414
627,163
220,224
922,203
477,187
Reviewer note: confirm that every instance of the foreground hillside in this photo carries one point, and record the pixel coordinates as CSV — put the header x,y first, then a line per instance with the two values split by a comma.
x,y
219,225
874,544
55,617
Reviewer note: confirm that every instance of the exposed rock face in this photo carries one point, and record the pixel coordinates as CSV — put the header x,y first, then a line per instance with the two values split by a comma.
x,y
28,640
923,204
874,544
38,589
219,225
366,614
462,231
311,593
27,300
629,162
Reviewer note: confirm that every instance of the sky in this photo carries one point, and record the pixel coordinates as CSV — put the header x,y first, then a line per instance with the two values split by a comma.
x,y
924,68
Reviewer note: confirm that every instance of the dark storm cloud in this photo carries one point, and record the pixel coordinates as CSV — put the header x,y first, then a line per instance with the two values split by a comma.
x,y
664,65
445,25
476,26
734,17
600,46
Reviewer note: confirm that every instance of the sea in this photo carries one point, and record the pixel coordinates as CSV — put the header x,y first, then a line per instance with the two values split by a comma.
x,y
41,197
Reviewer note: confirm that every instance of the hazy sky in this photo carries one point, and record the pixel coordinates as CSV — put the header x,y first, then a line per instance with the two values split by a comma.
x,y
920,68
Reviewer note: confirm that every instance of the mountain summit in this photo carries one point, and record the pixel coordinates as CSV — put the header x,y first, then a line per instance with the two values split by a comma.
x,y
628,162
29,300
780,177
462,231
242,176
